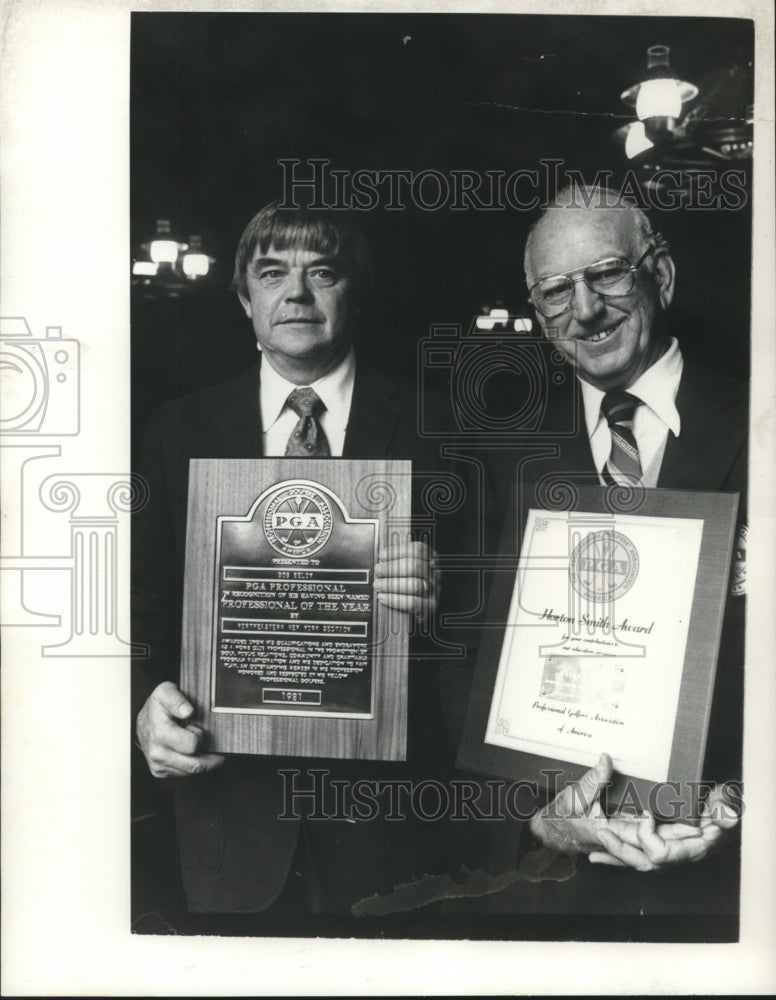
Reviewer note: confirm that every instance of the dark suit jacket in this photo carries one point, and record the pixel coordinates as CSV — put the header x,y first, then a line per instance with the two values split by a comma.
x,y
235,853
710,454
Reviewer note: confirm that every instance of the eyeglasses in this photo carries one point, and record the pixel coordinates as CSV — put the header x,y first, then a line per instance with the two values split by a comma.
x,y
613,276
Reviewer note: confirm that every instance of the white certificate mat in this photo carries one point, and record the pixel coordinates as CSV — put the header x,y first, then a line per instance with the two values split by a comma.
x,y
596,636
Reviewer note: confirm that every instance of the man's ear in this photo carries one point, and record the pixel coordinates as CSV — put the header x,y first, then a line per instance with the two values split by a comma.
x,y
245,302
665,273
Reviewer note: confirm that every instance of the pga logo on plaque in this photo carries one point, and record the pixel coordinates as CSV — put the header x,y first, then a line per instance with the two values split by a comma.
x,y
297,521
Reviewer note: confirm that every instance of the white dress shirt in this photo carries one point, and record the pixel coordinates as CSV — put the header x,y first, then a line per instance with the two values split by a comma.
x,y
657,389
278,420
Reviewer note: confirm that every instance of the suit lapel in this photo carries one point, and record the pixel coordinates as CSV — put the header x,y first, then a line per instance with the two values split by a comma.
x,y
234,427
375,412
579,453
575,454
710,436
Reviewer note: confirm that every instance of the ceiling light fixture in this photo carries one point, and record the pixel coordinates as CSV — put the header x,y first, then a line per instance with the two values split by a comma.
x,y
660,98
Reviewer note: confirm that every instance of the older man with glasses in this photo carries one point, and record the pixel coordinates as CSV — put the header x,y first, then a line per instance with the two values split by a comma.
x,y
606,315
633,410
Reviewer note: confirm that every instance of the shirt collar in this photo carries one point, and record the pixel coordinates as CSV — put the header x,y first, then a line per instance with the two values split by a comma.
x,y
335,390
657,387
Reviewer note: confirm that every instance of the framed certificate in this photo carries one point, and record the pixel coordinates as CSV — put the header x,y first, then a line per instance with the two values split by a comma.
x,y
285,649
605,638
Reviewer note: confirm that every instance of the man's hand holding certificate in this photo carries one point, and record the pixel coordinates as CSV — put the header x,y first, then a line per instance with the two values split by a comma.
x,y
574,822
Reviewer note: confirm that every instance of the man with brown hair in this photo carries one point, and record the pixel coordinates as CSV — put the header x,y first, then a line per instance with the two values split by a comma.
x,y
302,279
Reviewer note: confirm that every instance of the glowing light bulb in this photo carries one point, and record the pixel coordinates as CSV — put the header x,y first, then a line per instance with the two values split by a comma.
x,y
659,99
146,268
163,249
196,264
636,140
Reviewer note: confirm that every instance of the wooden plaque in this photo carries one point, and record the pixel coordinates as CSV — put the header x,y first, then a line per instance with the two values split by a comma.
x,y
286,649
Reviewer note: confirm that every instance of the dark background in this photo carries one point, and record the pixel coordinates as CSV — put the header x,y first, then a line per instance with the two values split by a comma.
x,y
217,99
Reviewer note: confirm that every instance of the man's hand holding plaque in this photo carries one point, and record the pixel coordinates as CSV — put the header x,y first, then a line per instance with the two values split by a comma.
x,y
171,742
406,579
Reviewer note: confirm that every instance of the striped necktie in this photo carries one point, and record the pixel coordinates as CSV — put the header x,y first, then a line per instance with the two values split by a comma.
x,y
623,464
307,438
